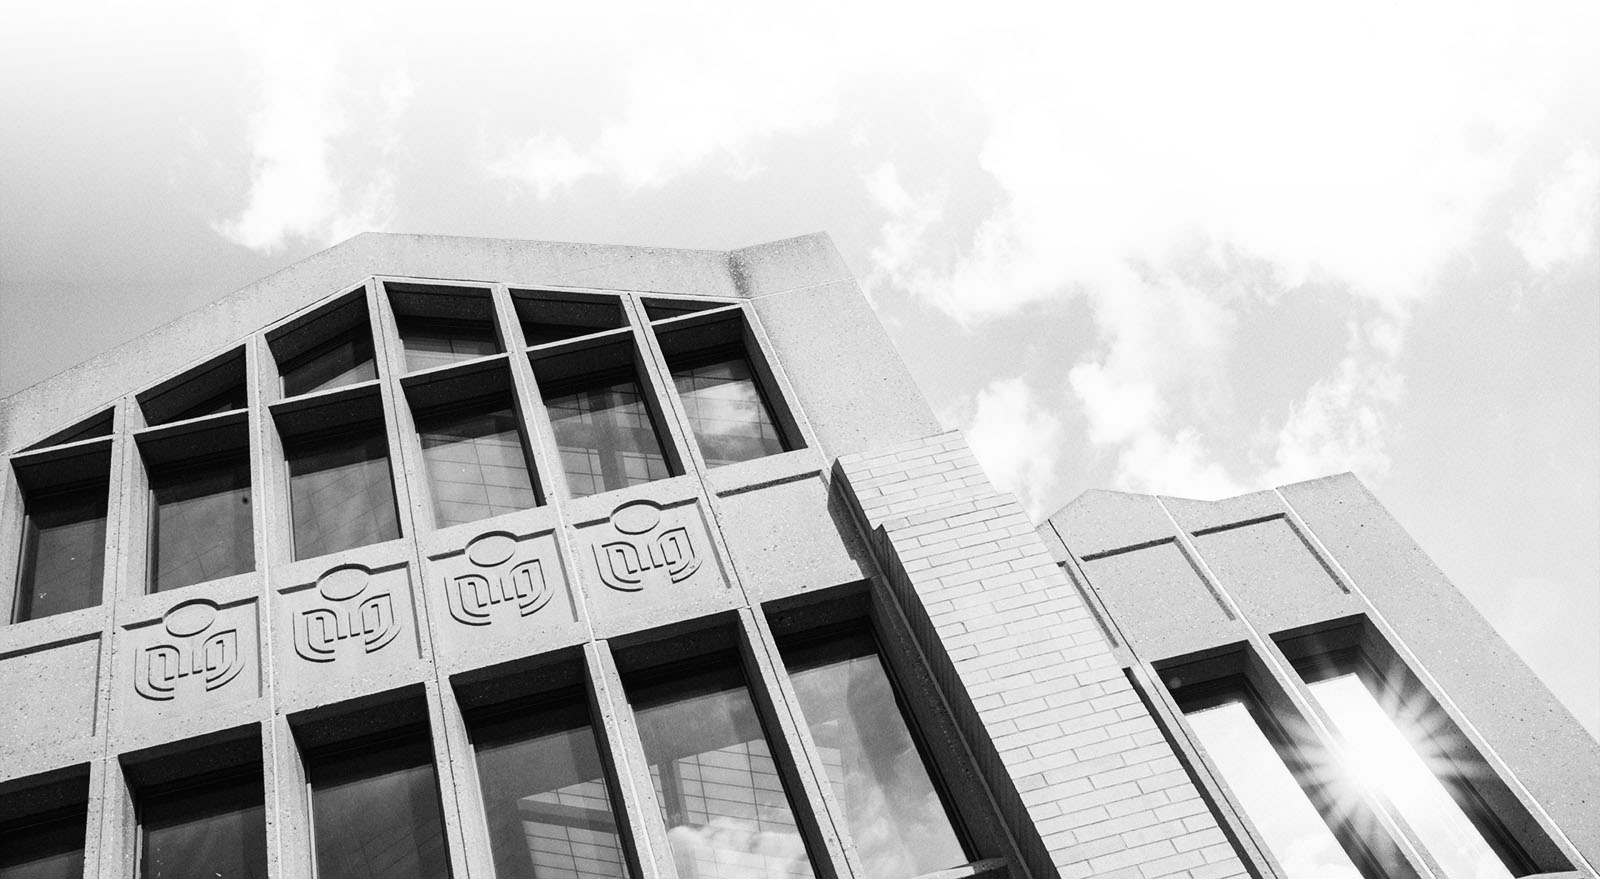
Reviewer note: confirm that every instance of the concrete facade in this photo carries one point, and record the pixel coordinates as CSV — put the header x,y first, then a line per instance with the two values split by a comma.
x,y
1038,665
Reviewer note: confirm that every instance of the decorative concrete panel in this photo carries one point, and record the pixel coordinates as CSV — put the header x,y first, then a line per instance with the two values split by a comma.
x,y
197,657
1163,605
64,676
350,630
1273,575
501,595
649,563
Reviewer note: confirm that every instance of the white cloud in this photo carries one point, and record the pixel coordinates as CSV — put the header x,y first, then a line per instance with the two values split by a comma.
x,y
1563,224
1017,441
322,151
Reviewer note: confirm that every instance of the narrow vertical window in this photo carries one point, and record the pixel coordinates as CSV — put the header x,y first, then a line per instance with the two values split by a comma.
x,y
375,812
200,522
341,493
1230,730
727,812
545,795
895,815
47,848
1387,741
606,435
216,828
730,416
63,551
346,359
476,464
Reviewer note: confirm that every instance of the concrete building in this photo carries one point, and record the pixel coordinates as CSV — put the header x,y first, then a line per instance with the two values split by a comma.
x,y
455,557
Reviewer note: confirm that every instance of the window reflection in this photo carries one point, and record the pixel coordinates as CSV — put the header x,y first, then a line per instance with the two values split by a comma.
x,y
375,812
544,792
894,813
1385,759
341,495
345,360
1265,789
606,436
200,523
475,465
431,342
217,829
730,417
47,849
726,810
63,552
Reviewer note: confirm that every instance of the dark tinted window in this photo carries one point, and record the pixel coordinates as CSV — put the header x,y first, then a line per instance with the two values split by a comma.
x,y
345,360
606,436
544,792
728,815
894,813
730,417
341,495
47,849
476,465
375,812
63,552
435,342
200,523
216,829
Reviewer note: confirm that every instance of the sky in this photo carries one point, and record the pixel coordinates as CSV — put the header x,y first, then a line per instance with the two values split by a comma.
x,y
1191,249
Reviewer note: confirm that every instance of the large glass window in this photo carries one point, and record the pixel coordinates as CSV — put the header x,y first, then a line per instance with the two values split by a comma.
x,y
431,342
217,828
344,360
341,494
1392,751
894,813
727,813
731,418
49,848
476,464
544,791
606,435
63,552
375,812
200,523
1234,733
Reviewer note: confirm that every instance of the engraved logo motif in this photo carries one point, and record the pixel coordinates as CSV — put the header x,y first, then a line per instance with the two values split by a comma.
x,y
648,552
370,620
193,652
472,596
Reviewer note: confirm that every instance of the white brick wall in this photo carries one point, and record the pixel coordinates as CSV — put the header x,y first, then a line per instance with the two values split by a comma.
x,y
1025,661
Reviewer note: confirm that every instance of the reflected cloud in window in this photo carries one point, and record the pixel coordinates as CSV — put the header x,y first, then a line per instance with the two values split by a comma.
x,y
727,813
730,417
894,814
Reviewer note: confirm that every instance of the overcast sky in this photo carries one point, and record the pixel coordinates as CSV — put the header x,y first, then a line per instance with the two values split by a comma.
x,y
1194,249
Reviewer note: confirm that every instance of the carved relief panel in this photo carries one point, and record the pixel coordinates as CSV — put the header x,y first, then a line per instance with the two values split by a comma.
x,y
501,594
649,561
351,629
198,656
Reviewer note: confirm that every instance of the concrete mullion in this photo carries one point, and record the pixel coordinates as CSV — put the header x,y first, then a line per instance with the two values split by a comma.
x,y
535,420
447,735
794,748
624,753
289,812
116,818
660,384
